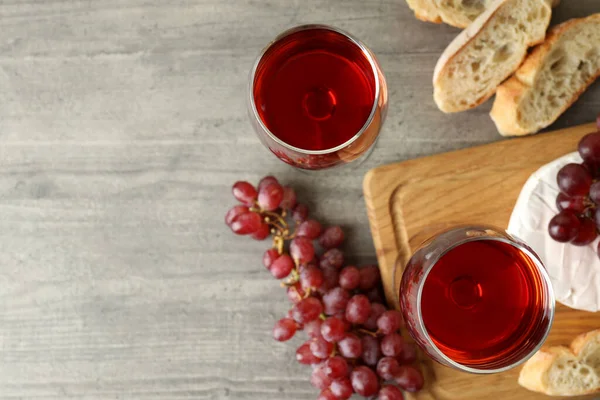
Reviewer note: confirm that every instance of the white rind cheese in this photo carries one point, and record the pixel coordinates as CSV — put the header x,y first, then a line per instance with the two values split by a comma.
x,y
574,270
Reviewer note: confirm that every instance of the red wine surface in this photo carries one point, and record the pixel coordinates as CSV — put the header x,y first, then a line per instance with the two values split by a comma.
x,y
481,302
314,89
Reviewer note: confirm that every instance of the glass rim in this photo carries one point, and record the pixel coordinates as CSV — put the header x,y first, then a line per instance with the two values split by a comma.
x,y
545,277
376,76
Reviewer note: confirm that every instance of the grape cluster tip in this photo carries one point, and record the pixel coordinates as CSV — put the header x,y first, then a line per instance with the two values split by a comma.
x,y
353,341
578,203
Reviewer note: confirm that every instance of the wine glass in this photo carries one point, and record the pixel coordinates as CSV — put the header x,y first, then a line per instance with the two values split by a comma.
x,y
477,299
317,97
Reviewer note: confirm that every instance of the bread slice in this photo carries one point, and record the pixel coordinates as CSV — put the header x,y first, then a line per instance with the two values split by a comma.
x,y
459,13
552,78
487,52
560,371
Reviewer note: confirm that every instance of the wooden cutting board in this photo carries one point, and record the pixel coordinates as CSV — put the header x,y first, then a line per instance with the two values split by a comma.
x,y
409,201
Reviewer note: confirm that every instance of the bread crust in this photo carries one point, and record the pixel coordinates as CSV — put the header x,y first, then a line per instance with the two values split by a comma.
x,y
434,13
505,111
461,43
425,10
533,375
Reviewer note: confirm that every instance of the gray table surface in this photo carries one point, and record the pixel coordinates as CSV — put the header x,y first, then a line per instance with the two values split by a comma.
x,y
122,126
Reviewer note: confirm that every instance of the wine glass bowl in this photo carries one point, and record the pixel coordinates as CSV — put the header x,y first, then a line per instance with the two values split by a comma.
x,y
317,97
476,299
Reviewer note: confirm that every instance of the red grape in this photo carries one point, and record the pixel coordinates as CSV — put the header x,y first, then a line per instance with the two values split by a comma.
x,y
349,278
335,300
307,310
589,147
282,266
387,368
358,309
319,378
594,193
364,381
409,378
376,310
327,394
587,232
289,198
270,196
295,293
342,317
392,345
270,256
390,393
244,192
564,226
288,314
300,213
408,354
375,295
369,277
371,351
284,329
336,367
331,237
389,322
597,217
332,258
262,233
574,180
330,278
321,348
313,328
342,388
574,204
593,168
311,264
305,356
311,277
247,223
310,229
598,122
302,250
350,346
333,329
234,213
267,180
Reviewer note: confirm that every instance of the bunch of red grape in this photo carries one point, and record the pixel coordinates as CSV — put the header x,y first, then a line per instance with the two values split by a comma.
x,y
578,202
354,344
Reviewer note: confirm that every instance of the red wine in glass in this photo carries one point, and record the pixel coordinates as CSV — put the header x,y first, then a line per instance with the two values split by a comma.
x,y
317,97
485,304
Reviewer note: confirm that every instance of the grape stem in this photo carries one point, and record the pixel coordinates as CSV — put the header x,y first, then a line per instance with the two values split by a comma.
x,y
294,277
273,219
278,243
367,332
281,229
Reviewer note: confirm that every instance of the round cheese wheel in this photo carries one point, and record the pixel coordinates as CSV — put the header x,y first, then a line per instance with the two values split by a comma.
x,y
574,270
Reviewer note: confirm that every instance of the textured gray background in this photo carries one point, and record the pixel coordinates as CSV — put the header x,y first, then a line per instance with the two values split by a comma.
x,y
122,126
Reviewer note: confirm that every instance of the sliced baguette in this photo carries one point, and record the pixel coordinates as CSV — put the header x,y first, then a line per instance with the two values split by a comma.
x,y
552,78
562,371
459,13
487,52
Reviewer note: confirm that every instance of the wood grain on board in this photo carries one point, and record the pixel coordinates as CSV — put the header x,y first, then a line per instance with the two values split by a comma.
x,y
408,202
